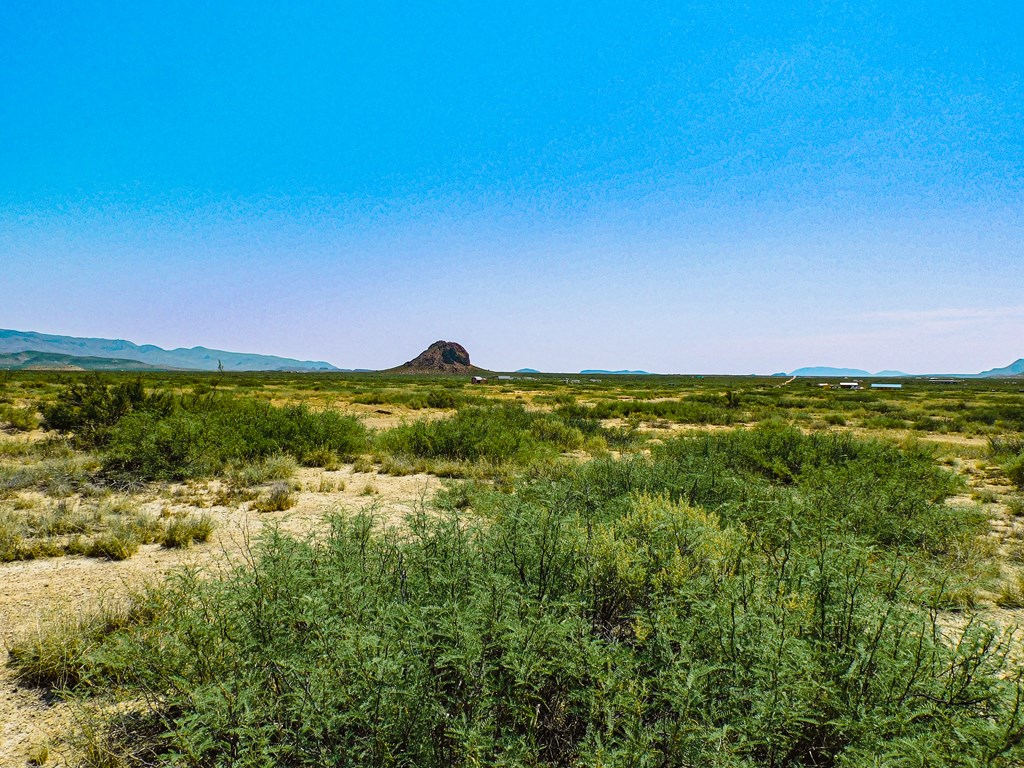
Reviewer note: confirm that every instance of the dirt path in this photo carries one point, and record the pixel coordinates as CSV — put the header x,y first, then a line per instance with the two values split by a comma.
x,y
34,592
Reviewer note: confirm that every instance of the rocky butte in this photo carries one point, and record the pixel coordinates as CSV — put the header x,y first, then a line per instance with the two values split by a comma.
x,y
439,357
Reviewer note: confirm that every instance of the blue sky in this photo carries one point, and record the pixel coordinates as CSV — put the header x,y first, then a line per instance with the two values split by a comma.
x,y
721,187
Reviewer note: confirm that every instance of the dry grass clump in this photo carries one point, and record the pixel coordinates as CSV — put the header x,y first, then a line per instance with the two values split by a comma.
x,y
113,529
185,530
55,653
278,498
280,466
56,477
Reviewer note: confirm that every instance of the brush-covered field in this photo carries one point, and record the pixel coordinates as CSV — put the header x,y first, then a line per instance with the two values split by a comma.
x,y
205,570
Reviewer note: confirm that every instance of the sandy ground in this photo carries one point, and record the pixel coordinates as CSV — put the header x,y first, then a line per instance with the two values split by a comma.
x,y
36,591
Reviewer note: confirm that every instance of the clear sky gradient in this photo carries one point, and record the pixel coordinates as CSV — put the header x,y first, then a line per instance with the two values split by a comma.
x,y
714,187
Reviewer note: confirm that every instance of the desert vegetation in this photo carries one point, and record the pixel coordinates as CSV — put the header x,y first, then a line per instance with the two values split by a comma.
x,y
634,571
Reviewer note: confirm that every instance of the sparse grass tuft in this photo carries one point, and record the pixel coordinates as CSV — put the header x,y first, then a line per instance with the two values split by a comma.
x,y
39,754
278,498
117,544
279,466
185,530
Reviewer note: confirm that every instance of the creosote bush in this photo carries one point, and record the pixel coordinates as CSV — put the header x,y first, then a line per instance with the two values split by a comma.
x,y
486,435
154,436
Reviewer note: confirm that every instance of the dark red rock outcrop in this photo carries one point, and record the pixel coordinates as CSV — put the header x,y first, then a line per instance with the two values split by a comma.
x,y
440,357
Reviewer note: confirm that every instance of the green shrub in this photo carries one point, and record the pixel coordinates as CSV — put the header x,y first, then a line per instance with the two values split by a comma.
x,y
10,539
193,444
118,544
552,637
58,653
187,530
280,466
89,409
442,399
502,434
18,419
1014,469
277,499
687,410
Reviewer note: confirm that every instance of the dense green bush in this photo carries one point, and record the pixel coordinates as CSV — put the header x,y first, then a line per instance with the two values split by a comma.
x,y
90,409
18,419
1010,452
494,434
1015,470
687,410
154,436
540,639
186,443
194,443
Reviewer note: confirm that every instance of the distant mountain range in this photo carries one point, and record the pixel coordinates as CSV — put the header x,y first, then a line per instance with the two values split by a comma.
x,y
618,373
50,361
1014,369
116,354
826,371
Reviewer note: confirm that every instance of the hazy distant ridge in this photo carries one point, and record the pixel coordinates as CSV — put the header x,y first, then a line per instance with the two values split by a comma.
x,y
618,373
196,358
826,371
30,360
1013,369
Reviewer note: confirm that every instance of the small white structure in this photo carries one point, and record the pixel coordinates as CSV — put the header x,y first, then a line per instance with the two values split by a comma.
x,y
887,386
478,380
849,385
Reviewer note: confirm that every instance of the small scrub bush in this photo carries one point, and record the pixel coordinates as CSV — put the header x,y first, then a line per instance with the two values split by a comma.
x,y
39,754
18,419
279,466
118,544
58,653
1015,506
186,530
277,499
322,457
1014,469
985,495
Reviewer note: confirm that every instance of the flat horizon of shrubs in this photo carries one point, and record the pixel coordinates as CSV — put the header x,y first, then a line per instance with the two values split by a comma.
x,y
733,600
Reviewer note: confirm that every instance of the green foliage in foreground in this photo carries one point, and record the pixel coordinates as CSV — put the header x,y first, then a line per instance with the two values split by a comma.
x,y
620,613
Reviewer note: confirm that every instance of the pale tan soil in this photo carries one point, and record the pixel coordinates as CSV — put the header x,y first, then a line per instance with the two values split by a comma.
x,y
36,591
